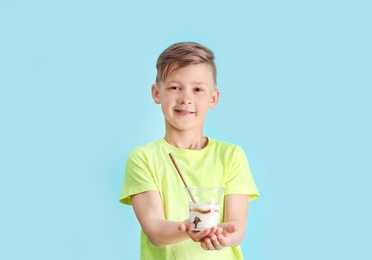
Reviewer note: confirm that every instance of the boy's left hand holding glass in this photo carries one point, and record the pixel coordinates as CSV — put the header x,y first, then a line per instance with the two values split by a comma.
x,y
214,238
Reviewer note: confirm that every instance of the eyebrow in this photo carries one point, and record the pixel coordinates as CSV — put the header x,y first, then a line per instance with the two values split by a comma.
x,y
173,81
199,83
192,83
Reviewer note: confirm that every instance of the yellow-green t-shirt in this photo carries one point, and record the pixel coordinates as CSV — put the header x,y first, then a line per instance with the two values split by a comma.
x,y
219,164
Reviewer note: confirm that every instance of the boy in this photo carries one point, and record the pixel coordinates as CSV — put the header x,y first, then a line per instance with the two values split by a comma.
x,y
186,88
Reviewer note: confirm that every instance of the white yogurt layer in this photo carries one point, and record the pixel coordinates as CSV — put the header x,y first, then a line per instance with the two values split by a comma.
x,y
203,215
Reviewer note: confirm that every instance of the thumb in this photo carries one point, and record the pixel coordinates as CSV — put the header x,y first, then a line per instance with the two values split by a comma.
x,y
231,228
184,226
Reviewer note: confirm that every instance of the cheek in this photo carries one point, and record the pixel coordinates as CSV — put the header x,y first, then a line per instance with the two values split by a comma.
x,y
166,104
202,108
204,102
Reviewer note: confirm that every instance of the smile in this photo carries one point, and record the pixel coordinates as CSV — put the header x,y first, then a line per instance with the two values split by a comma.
x,y
184,112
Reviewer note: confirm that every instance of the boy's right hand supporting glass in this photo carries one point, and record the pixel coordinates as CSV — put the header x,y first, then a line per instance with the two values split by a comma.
x,y
196,236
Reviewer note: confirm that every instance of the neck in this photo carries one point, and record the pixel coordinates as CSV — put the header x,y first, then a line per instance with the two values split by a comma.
x,y
186,140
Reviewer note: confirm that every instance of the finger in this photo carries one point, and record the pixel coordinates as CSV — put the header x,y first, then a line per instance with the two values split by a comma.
x,y
208,243
198,235
203,245
212,231
219,231
202,233
216,242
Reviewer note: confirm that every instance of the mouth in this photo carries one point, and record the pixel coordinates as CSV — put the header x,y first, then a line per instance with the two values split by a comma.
x,y
182,112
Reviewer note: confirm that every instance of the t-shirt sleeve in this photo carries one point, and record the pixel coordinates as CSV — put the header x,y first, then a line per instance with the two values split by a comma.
x,y
240,179
138,177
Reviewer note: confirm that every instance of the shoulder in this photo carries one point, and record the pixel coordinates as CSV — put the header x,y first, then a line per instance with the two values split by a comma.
x,y
148,147
224,146
145,150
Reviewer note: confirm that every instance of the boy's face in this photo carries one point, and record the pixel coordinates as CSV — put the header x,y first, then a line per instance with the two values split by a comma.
x,y
185,96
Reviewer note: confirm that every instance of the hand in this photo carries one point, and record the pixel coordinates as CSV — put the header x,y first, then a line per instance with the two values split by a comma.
x,y
196,236
220,239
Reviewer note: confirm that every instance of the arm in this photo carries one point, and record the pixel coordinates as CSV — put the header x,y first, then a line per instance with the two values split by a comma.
x,y
232,231
149,211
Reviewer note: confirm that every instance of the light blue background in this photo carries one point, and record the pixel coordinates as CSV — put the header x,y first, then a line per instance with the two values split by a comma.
x,y
295,81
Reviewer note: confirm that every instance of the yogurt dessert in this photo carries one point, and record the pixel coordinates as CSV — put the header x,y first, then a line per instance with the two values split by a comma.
x,y
203,215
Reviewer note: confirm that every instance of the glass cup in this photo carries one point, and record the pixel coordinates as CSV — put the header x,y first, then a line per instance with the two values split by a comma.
x,y
204,206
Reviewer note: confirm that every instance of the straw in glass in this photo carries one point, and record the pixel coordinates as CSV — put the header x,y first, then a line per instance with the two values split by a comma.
x,y
183,180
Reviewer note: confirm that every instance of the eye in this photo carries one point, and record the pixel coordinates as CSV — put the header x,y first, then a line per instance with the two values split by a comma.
x,y
175,88
198,89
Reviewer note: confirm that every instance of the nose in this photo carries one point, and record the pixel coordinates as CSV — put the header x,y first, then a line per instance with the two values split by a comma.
x,y
184,100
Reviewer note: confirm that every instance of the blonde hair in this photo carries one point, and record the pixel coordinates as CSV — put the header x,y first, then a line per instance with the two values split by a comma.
x,y
182,54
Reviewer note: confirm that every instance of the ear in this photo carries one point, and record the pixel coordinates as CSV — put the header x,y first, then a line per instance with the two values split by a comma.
x,y
155,93
214,98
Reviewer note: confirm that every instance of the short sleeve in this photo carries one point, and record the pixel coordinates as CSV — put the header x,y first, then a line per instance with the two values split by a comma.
x,y
137,178
240,179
